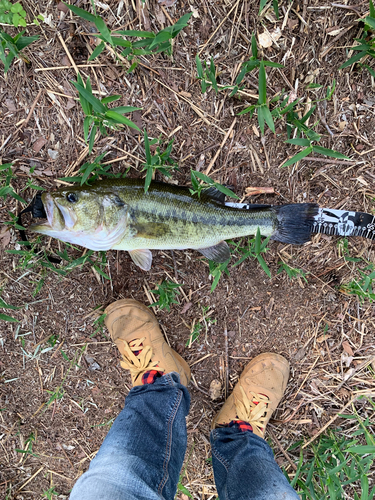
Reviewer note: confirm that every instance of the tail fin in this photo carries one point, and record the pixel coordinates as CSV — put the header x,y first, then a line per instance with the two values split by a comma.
x,y
295,222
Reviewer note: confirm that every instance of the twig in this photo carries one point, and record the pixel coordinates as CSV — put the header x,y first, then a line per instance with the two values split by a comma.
x,y
32,477
67,52
51,68
222,22
331,420
31,111
283,451
364,363
220,148
226,362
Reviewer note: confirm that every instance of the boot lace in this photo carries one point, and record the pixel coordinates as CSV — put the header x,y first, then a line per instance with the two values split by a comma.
x,y
137,358
253,410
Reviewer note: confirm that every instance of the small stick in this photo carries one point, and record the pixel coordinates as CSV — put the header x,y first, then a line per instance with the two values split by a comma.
x,y
32,477
220,148
68,53
284,452
66,456
331,420
222,22
30,112
51,68
226,362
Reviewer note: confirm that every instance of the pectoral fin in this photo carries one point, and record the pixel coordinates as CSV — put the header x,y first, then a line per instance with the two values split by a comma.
x,y
141,258
218,253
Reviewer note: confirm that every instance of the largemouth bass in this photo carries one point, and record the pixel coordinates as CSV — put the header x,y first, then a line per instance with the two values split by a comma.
x,y
117,214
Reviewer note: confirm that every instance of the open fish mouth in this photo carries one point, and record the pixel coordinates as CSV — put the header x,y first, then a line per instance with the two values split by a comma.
x,y
55,216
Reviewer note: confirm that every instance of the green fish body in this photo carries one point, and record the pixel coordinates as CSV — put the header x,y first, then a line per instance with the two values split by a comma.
x,y
118,214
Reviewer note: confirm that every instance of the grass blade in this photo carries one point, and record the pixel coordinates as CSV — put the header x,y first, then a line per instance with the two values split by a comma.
x,y
262,84
298,157
330,152
121,119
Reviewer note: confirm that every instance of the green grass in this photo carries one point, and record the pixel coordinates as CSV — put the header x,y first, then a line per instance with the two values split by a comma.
x,y
291,272
160,161
6,317
340,464
150,43
201,183
366,47
204,322
254,248
11,48
50,493
167,292
98,115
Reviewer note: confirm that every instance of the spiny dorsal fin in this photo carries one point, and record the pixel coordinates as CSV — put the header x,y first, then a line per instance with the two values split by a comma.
x,y
215,194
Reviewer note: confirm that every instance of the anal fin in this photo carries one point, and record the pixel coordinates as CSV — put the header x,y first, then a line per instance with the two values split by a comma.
x,y
142,258
218,253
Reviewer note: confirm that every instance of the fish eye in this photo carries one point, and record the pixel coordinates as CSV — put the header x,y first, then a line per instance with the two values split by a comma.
x,y
72,197
119,201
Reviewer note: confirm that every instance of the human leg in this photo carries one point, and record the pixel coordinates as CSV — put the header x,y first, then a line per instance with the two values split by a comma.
x,y
142,455
244,465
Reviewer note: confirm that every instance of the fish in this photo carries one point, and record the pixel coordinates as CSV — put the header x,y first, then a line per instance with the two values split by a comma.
x,y
118,214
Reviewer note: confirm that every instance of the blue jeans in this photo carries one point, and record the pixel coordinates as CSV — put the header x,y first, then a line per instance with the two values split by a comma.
x,y
142,455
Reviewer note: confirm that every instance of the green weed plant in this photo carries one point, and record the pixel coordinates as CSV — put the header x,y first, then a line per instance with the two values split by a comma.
x,y
366,47
11,47
160,161
98,115
12,14
150,43
340,465
167,292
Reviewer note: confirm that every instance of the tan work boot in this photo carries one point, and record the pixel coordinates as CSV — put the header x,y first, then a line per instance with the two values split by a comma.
x,y
257,393
135,331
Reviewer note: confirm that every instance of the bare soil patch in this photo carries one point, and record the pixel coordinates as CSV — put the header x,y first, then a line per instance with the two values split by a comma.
x,y
62,400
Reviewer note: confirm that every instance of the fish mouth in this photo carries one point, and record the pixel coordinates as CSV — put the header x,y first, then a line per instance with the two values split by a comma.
x,y
55,216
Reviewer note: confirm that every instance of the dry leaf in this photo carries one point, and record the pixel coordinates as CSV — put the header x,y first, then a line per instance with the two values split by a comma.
x,y
342,125
265,40
38,144
346,359
9,103
159,14
349,374
255,130
194,11
4,237
186,307
215,389
167,3
61,6
333,31
347,348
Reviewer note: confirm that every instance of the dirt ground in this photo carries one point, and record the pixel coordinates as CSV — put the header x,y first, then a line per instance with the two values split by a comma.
x,y
61,384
